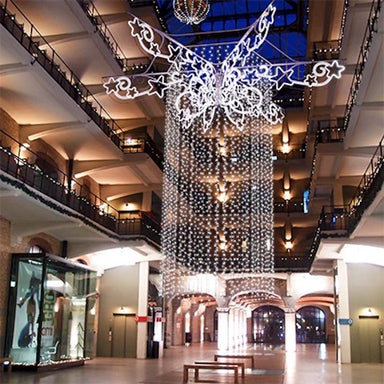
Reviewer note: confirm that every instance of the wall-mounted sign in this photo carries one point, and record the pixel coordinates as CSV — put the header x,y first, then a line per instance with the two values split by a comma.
x,y
141,319
345,321
368,316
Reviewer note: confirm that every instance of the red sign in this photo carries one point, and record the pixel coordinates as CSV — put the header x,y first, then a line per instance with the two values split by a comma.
x,y
141,319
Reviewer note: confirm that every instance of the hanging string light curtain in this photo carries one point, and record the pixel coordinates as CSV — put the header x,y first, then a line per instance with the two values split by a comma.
x,y
217,196
217,191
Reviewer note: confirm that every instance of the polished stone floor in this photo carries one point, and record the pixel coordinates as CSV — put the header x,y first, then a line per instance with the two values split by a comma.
x,y
310,364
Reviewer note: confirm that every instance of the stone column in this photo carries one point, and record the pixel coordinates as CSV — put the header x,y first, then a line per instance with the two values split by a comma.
x,y
290,331
5,262
142,308
342,312
223,328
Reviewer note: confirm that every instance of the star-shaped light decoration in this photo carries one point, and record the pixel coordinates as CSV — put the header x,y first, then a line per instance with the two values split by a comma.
x,y
232,85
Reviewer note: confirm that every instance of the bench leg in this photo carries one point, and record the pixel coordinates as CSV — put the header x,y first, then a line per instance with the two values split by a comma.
x,y
185,376
196,374
236,375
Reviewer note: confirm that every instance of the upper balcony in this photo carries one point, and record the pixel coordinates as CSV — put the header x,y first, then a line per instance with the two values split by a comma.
x,y
360,219
20,170
40,69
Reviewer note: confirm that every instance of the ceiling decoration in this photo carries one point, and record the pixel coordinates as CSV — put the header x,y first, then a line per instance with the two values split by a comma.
x,y
191,11
218,174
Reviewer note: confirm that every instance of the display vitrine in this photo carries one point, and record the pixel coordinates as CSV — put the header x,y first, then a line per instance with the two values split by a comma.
x,y
51,312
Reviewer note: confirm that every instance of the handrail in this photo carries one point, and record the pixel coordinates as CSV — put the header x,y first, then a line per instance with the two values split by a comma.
x,y
326,50
341,221
332,132
58,69
139,64
370,29
374,167
69,82
21,163
97,20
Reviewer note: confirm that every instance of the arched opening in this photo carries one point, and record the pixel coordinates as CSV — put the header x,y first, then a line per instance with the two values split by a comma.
x,y
310,325
268,325
38,245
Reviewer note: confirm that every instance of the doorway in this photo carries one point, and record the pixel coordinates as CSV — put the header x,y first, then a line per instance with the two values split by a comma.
x,y
124,338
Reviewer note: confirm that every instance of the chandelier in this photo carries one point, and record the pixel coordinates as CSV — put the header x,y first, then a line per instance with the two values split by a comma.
x,y
191,11
218,176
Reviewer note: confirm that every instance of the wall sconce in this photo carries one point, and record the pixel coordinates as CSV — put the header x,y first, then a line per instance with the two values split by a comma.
x,y
222,150
285,148
222,197
368,313
287,195
288,245
127,206
223,246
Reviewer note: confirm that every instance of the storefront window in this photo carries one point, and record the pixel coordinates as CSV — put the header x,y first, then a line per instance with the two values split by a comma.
x,y
51,301
310,325
268,325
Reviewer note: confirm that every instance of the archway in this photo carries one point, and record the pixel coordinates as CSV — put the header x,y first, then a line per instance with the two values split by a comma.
x,y
310,325
268,325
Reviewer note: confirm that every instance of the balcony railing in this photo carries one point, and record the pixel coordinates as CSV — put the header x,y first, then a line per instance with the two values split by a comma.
x,y
369,32
63,75
341,221
288,207
328,131
292,262
129,66
14,20
21,164
326,50
142,143
97,20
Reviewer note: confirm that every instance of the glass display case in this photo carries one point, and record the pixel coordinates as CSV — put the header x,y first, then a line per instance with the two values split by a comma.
x,y
51,312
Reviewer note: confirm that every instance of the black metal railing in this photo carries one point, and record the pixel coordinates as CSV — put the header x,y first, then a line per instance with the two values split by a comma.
x,y
14,20
328,131
64,76
142,143
341,221
97,20
370,29
22,163
128,65
326,50
292,261
288,206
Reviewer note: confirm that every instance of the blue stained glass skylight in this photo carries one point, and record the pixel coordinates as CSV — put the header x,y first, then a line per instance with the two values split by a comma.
x,y
228,20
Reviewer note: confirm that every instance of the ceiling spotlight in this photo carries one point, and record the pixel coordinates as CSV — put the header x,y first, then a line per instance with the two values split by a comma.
x,y
191,11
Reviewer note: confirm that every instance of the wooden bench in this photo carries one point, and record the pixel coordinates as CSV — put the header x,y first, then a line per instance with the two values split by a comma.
x,y
240,365
198,367
5,361
218,356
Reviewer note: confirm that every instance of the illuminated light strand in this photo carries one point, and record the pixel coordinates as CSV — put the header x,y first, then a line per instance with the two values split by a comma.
x,y
231,85
218,191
